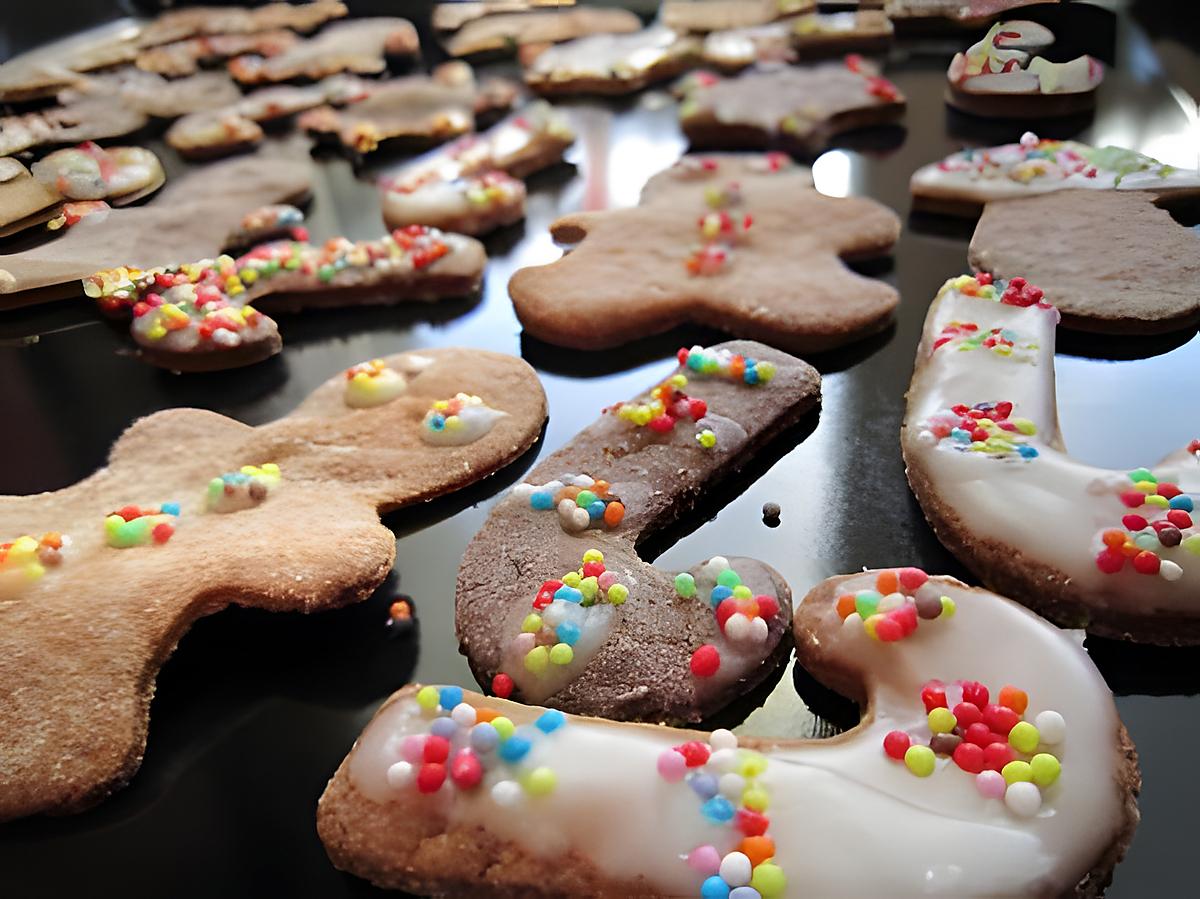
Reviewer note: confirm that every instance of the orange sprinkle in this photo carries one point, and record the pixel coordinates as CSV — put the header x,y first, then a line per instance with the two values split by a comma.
x,y
757,849
1114,538
887,582
1012,698
483,716
613,513
845,605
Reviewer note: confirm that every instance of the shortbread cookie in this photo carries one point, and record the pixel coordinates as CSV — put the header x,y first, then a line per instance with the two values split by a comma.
x,y
584,624
999,76
205,21
199,317
800,109
472,185
1113,551
417,109
719,15
741,243
492,34
187,56
1121,264
360,46
612,63
976,769
964,181
192,218
196,511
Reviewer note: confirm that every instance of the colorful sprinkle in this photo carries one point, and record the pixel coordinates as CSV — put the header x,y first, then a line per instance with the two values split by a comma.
x,y
242,489
137,526
986,428
1159,525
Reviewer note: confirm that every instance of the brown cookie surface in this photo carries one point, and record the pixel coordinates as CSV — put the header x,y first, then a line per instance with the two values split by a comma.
x,y
716,15
199,21
360,46
1121,265
431,801
83,642
626,647
647,269
552,26
798,108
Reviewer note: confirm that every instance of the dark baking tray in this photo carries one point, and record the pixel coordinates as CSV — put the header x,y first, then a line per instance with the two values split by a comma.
x,y
255,711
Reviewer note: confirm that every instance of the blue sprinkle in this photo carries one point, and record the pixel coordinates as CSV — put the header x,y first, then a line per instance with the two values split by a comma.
x,y
443,727
596,510
437,422
1183,501
515,748
1027,452
751,375
568,633
570,594
449,697
745,893
719,593
695,361
550,721
714,888
703,785
542,500
718,810
484,737
960,436
170,509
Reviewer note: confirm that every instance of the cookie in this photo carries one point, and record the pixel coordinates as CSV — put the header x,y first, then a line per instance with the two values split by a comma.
x,y
720,15
612,63
1121,264
192,218
999,76
24,200
414,110
85,119
359,46
185,57
207,21
199,317
156,96
927,15
454,15
238,127
453,793
472,185
504,33
832,34
283,517
584,621
1115,552
800,109
964,181
41,73
740,243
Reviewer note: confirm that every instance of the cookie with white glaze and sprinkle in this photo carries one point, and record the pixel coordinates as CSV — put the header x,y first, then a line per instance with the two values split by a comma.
x,y
987,462
982,772
555,605
611,64
283,517
741,243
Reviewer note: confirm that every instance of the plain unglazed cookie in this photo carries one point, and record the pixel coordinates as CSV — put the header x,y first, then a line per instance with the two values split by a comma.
x,y
555,606
741,243
1121,263
964,181
100,579
800,109
974,771
1116,552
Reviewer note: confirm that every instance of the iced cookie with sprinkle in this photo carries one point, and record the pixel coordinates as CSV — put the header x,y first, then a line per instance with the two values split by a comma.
x,y
194,512
554,604
611,64
359,46
741,243
981,773
963,182
1115,552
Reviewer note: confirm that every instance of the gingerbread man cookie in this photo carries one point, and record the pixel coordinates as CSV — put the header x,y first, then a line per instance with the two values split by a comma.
x,y
207,21
185,57
612,63
999,76
192,218
1116,552
741,243
975,771
720,15
472,185
964,181
798,109
198,317
587,626
937,15
1121,263
507,32
83,119
98,581
360,46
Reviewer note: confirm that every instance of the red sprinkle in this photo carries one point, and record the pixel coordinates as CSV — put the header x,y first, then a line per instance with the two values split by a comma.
x,y
465,771
162,532
1000,719
997,755
933,694
694,753
967,713
768,606
975,693
431,777
969,757
896,743
502,685
706,661
436,750
750,822
1146,562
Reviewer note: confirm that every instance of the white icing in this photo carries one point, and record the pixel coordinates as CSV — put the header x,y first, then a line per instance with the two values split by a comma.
x,y
834,803
1051,509
77,172
997,65
365,389
606,55
474,420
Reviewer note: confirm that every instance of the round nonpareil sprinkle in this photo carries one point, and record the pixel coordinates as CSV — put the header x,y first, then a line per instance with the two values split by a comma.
x,y
1158,530
987,428
139,526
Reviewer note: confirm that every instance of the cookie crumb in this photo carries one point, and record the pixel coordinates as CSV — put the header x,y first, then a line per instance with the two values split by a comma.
x,y
770,514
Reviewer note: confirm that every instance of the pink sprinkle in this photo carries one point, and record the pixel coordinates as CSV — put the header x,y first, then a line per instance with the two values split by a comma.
x,y
912,579
413,749
705,859
672,766
607,580
990,784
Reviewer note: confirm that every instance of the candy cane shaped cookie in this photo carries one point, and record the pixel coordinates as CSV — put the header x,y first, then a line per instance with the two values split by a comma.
x,y
554,604
977,770
1117,552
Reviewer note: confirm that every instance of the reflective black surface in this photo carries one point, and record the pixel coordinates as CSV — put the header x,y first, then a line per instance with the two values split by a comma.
x,y
255,711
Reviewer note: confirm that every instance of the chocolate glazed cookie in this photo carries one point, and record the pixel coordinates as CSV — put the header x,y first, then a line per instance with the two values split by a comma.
x,y
554,604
